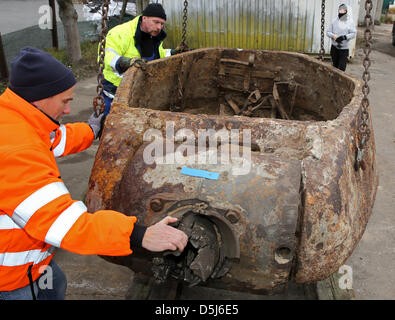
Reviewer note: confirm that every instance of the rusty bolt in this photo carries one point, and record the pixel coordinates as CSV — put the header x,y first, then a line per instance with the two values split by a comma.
x,y
283,255
233,216
156,205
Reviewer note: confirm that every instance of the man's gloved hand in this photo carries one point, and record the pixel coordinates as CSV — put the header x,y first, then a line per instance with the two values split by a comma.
x,y
340,39
126,63
178,50
96,123
174,51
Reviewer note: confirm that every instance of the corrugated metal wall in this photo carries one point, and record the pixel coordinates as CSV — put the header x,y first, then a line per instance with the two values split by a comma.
x,y
291,25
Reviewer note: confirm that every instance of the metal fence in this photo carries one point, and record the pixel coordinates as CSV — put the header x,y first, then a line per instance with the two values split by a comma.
x,y
291,25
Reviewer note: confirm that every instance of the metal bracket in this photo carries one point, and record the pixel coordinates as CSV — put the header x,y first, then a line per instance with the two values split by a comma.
x,y
359,154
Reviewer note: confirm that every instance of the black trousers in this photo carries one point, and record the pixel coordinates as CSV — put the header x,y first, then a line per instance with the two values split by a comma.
x,y
339,58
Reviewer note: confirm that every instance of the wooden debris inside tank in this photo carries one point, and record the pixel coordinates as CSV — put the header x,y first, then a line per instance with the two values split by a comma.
x,y
273,99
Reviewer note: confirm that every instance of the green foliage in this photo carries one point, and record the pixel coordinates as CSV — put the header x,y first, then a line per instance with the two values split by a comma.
x,y
58,54
385,18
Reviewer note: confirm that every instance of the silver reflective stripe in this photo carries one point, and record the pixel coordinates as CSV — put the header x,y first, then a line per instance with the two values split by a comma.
x,y
114,62
52,136
6,223
64,222
108,94
113,51
117,73
59,150
35,201
168,53
13,259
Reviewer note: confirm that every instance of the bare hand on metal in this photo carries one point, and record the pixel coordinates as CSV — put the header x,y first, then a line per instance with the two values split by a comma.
x,y
160,237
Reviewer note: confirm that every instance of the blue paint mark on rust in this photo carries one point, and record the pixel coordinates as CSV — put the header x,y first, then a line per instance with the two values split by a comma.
x,y
200,173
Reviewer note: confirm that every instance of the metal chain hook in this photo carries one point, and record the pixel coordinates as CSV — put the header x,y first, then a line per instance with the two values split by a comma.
x,y
99,99
322,50
183,44
364,130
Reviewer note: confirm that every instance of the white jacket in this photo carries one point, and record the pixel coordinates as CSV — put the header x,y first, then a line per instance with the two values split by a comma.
x,y
342,27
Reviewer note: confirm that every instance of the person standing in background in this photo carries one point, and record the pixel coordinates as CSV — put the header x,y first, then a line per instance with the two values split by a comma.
x,y
341,31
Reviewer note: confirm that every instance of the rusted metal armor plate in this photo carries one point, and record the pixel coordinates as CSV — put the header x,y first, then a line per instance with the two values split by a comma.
x,y
264,203
335,199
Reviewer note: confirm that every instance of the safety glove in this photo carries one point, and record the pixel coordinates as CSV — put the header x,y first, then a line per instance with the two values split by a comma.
x,y
175,51
126,63
96,123
341,38
179,49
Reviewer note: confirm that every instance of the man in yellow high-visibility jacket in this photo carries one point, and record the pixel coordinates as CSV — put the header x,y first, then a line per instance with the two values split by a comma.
x,y
141,37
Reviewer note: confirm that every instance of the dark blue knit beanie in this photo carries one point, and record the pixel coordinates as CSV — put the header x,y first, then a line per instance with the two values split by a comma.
x,y
36,75
154,10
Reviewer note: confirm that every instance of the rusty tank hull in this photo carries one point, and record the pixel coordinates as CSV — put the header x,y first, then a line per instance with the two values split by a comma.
x,y
290,204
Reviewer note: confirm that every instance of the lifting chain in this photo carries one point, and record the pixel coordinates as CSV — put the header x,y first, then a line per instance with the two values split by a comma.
x,y
364,130
183,44
322,50
98,101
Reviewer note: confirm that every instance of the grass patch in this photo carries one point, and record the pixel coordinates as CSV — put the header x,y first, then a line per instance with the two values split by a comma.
x,y
385,18
85,68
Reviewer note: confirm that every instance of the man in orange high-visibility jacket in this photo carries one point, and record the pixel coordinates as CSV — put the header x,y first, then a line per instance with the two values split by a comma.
x,y
37,213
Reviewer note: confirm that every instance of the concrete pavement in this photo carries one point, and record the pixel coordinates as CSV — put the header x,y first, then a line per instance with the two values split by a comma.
x,y
373,260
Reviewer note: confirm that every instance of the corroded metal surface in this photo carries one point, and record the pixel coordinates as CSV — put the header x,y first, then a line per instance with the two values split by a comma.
x,y
333,200
263,205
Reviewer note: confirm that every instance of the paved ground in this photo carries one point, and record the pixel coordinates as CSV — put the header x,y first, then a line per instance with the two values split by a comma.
x,y
382,39
373,260
90,277
18,14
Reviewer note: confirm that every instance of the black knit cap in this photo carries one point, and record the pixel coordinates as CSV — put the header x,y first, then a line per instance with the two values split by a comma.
x,y
154,10
36,75
343,6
